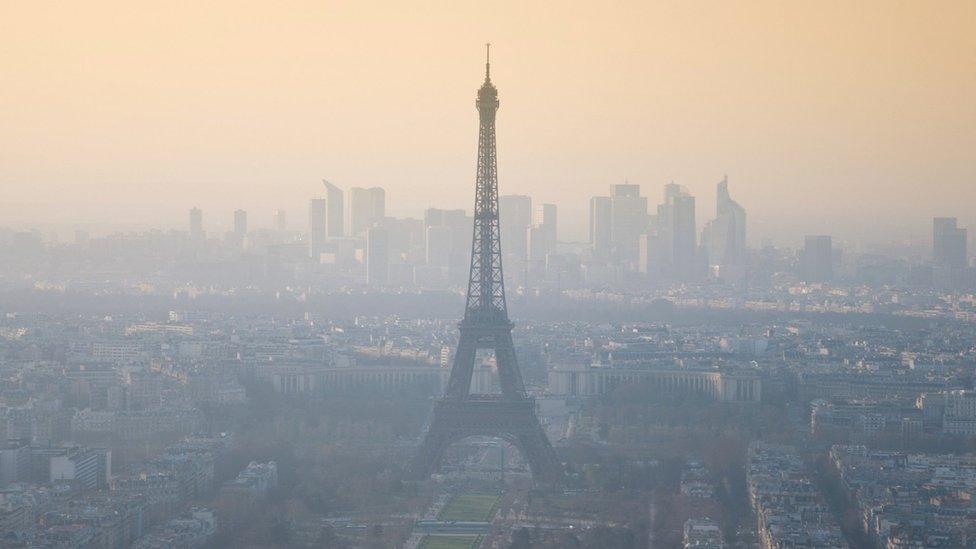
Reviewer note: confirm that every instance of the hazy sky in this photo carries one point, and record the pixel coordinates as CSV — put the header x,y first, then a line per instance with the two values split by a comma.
x,y
826,116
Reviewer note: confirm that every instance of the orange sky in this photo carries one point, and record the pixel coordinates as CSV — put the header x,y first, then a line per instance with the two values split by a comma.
x,y
825,115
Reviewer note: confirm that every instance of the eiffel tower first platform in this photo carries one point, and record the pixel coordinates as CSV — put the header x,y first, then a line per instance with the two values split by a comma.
x,y
510,415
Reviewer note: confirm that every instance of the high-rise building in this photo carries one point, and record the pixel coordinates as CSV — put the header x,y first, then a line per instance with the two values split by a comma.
x,y
514,219
685,236
334,211
325,219
317,216
237,236
406,237
725,237
240,224
817,259
280,220
196,223
436,217
628,219
674,235
601,208
651,254
537,245
366,206
458,224
948,242
377,256
545,218
439,241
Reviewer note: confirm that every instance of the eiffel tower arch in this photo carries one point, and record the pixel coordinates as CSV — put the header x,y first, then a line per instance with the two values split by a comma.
x,y
510,415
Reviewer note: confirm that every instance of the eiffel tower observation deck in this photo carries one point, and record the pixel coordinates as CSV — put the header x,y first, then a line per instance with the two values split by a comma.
x,y
510,415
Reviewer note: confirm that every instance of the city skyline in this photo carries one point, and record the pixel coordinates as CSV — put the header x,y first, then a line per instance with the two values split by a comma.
x,y
793,118
574,223
290,326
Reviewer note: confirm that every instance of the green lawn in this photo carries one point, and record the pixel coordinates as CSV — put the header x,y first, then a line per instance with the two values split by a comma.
x,y
450,542
470,507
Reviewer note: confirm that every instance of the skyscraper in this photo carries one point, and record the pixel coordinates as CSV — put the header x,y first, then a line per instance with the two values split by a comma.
x,y
458,227
196,223
366,206
377,256
334,212
237,236
725,236
406,236
545,219
651,254
514,218
948,242
438,244
628,219
240,224
436,217
817,259
317,214
685,236
537,245
280,220
601,208
674,235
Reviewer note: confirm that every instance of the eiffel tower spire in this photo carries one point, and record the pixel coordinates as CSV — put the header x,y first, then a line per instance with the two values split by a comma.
x,y
488,62
486,286
485,326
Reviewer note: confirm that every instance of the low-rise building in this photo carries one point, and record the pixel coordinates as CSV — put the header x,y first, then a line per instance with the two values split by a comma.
x,y
702,533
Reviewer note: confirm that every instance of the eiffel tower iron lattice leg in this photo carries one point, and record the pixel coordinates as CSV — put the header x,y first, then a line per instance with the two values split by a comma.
x,y
512,421
511,415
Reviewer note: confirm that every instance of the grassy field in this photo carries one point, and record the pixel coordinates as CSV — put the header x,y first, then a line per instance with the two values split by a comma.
x,y
470,507
450,542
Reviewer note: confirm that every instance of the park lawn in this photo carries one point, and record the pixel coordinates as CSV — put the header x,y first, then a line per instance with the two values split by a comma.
x,y
450,542
470,507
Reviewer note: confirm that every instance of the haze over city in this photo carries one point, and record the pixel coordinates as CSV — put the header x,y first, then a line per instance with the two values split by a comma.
x,y
823,115
302,275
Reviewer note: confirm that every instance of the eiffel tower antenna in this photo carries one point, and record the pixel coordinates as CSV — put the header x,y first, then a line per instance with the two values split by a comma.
x,y
459,413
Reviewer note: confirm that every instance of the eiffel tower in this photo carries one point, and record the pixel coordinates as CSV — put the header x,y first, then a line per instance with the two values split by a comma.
x,y
511,415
